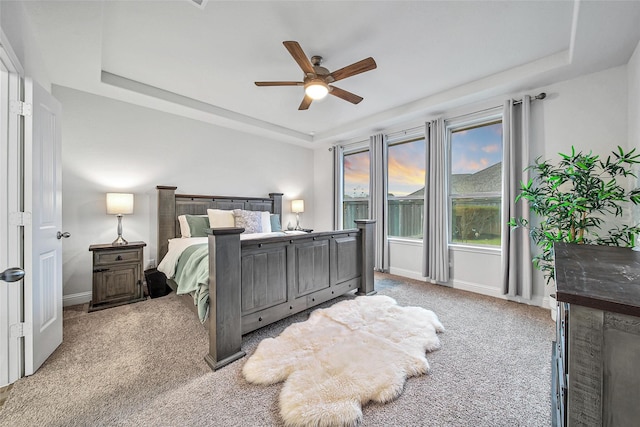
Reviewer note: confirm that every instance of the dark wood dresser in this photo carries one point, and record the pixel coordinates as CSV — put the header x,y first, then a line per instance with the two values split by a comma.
x,y
596,361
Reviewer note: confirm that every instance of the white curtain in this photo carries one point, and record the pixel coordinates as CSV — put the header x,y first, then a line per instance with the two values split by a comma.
x,y
378,198
516,246
338,157
435,263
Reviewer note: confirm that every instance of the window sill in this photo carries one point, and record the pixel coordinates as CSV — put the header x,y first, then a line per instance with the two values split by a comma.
x,y
407,242
475,249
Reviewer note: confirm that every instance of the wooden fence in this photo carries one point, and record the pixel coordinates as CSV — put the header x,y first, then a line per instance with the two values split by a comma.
x,y
406,216
472,218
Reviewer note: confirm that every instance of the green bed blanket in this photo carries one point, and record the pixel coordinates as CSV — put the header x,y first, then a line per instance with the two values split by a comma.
x,y
192,276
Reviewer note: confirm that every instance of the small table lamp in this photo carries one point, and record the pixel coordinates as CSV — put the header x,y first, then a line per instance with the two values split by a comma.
x,y
119,204
297,207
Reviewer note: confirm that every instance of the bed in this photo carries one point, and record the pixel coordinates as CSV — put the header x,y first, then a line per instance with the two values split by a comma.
x,y
257,280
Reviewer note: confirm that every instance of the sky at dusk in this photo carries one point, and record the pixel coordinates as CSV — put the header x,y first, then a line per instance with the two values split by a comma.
x,y
472,150
356,174
406,170
476,149
406,167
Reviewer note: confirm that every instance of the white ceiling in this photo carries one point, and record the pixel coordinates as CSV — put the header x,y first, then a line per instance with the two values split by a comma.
x,y
431,55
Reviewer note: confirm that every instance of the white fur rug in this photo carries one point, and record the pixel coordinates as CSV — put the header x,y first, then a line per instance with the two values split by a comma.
x,y
344,356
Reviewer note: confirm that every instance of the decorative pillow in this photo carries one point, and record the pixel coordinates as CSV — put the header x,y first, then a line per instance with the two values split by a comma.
x,y
193,225
266,222
219,218
251,221
275,222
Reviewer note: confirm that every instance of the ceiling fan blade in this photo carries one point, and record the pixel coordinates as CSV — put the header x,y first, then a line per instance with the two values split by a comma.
x,y
367,64
279,83
343,94
306,101
301,58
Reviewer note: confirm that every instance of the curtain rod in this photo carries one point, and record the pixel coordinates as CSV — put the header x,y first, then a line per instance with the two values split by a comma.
x,y
405,132
364,141
541,95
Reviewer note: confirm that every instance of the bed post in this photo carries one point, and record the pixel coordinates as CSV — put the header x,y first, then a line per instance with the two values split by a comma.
x,y
166,218
367,229
277,203
225,305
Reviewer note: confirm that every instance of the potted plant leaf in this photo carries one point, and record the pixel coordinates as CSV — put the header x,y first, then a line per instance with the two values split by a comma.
x,y
575,198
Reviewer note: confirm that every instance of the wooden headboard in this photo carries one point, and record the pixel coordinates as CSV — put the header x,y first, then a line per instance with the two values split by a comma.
x,y
171,205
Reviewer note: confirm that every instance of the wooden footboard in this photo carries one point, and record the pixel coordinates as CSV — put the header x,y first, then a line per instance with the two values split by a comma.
x,y
257,282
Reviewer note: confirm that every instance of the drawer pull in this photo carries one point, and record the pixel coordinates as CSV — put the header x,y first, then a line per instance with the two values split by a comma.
x,y
119,258
100,270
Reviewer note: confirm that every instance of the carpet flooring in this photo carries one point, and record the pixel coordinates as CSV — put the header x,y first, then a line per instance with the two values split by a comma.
x,y
142,365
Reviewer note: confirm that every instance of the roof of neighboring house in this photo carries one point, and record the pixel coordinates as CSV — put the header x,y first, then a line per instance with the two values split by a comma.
x,y
486,180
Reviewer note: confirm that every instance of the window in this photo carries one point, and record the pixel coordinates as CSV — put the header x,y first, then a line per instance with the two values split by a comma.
x,y
355,190
475,183
405,181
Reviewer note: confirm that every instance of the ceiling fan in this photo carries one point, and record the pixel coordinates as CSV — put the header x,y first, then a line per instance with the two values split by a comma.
x,y
317,79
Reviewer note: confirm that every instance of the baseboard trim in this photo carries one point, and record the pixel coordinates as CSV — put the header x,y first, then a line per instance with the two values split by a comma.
x,y
407,273
537,300
75,299
476,288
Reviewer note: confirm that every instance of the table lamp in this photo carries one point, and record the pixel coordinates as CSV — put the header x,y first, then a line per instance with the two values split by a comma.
x,y
119,204
297,206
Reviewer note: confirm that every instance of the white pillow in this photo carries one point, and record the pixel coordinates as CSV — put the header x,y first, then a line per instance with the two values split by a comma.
x,y
184,226
219,218
185,230
266,222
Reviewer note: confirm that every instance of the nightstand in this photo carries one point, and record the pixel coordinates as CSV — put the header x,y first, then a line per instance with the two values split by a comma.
x,y
117,275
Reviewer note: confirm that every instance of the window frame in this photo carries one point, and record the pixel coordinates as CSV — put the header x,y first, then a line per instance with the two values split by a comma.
x,y
355,148
467,122
405,138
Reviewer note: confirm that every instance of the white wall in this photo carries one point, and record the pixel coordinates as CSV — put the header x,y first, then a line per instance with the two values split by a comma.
x,y
109,145
17,28
589,112
323,180
633,71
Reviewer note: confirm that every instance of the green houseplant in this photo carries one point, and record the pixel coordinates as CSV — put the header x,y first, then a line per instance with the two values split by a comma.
x,y
572,200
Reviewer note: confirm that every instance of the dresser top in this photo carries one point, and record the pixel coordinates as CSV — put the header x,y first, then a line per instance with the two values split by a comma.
x,y
601,277
109,246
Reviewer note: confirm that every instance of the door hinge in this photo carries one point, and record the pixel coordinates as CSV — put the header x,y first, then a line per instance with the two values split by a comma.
x,y
19,330
20,219
21,108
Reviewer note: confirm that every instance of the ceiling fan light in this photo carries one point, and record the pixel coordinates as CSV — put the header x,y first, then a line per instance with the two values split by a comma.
x,y
316,89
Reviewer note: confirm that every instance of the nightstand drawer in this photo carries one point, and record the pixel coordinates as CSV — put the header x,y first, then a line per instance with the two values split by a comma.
x,y
117,256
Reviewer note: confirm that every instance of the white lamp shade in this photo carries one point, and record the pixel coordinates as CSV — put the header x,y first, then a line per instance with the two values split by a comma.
x,y
119,203
297,206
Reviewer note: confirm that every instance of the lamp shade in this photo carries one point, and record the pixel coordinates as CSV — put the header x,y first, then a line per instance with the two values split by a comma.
x,y
297,206
119,203
316,89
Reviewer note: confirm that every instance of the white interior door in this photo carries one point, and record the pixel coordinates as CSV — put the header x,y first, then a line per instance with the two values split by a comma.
x,y
43,249
11,352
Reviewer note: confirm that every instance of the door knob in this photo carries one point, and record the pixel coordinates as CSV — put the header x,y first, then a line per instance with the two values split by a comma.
x,y
60,235
12,274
